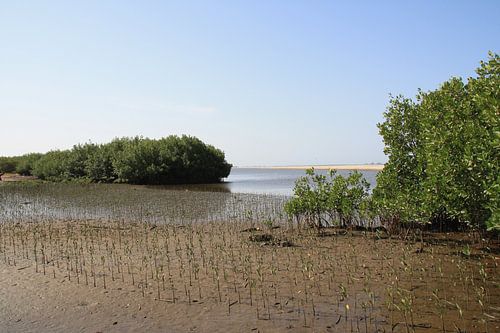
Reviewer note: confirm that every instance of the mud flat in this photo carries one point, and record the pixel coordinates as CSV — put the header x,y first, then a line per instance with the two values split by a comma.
x,y
111,276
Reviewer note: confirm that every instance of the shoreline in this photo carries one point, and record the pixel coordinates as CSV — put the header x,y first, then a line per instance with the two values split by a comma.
x,y
14,177
359,167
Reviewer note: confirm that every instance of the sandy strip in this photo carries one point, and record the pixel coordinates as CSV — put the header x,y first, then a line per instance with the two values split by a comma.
x,y
14,177
360,167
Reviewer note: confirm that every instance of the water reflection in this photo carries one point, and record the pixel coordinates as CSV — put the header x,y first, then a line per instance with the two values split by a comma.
x,y
276,181
41,202
247,194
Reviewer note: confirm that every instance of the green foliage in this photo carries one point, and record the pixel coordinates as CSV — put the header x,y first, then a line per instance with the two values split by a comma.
x,y
52,166
444,153
99,164
399,184
131,160
8,164
325,200
170,160
26,162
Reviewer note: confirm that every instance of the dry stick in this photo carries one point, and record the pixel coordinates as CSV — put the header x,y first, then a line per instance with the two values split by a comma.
x,y
158,283
103,273
313,308
43,258
304,312
131,271
93,271
257,306
173,290
121,270
218,289
76,269
268,308
77,275
68,267
36,257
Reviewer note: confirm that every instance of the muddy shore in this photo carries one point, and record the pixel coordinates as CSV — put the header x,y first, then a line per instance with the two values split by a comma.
x,y
98,276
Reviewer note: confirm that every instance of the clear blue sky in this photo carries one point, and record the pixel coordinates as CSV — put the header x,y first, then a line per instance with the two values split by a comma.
x,y
269,82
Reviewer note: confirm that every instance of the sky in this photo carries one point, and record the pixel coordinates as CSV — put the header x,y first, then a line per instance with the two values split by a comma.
x,y
269,82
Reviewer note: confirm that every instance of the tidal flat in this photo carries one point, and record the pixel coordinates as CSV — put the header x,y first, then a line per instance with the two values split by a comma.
x,y
114,258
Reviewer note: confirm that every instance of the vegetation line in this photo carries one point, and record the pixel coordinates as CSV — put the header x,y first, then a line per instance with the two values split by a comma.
x,y
170,160
443,167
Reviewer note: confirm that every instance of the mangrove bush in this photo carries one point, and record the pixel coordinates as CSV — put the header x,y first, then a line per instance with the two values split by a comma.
x,y
444,153
325,200
137,160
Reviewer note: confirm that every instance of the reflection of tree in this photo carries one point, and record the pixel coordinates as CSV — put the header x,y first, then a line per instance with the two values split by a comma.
x,y
222,187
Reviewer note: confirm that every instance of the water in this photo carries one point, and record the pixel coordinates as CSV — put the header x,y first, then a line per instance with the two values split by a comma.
x,y
261,181
157,204
275,181
253,194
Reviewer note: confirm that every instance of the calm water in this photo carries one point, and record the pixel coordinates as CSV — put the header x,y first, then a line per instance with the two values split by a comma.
x,y
273,181
251,194
261,181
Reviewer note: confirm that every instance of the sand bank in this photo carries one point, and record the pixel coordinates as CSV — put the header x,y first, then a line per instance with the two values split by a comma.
x,y
360,167
14,177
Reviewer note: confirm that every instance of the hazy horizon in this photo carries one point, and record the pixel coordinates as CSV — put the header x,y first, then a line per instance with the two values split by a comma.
x,y
268,82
